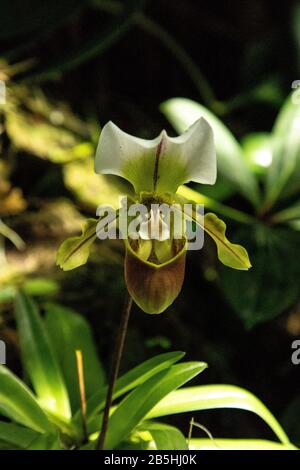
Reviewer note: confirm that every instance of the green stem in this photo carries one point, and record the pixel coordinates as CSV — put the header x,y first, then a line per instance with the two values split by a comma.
x,y
211,204
117,356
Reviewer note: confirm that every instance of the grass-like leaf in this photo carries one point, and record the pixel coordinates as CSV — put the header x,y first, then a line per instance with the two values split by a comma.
x,y
19,404
209,397
140,401
39,358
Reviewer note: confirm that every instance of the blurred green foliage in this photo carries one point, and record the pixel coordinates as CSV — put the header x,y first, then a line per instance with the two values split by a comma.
x,y
71,66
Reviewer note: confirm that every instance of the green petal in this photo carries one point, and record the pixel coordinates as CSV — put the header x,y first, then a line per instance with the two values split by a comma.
x,y
75,251
230,254
160,165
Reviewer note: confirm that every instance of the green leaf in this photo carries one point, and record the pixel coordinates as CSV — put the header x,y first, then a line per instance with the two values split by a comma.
x,y
283,178
75,251
45,442
15,435
133,378
182,113
291,213
230,254
257,149
39,359
165,437
135,406
18,403
194,196
69,331
238,444
257,296
209,397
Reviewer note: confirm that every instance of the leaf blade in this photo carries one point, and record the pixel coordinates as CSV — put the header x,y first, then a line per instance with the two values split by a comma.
x,y
18,403
68,332
39,359
216,396
182,113
139,402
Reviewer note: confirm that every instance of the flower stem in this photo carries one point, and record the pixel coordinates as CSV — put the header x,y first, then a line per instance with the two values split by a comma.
x,y
116,360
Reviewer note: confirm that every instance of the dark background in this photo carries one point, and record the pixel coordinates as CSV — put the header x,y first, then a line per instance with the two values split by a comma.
x,y
249,54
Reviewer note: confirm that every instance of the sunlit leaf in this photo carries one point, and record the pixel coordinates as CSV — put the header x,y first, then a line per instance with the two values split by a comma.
x,y
238,444
141,400
182,112
43,139
39,359
68,332
75,251
92,189
230,254
209,397
18,403
165,437
133,378
258,151
283,177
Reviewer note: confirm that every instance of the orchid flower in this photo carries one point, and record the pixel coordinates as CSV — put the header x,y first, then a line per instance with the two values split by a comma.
x,y
155,265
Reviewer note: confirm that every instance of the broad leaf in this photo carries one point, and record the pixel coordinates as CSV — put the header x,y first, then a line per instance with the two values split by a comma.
x,y
209,397
18,403
257,296
182,113
39,359
75,251
69,331
140,401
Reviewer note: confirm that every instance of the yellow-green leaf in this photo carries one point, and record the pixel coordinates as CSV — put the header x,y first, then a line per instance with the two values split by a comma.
x,y
238,444
75,251
230,254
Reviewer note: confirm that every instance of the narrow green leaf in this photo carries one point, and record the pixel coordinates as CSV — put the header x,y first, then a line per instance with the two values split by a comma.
x,y
135,406
209,397
257,149
289,214
133,378
283,178
238,444
45,442
230,254
74,251
15,435
18,403
165,437
194,196
182,113
39,359
69,331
